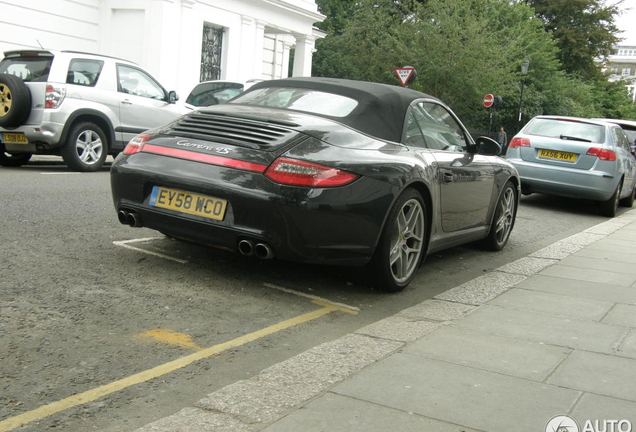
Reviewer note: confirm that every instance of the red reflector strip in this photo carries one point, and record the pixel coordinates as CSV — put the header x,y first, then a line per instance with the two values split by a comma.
x,y
205,158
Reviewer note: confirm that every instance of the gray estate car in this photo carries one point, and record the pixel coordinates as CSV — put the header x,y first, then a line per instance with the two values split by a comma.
x,y
77,105
577,158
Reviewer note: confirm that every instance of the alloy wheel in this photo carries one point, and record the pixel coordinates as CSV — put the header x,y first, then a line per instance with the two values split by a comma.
x,y
407,240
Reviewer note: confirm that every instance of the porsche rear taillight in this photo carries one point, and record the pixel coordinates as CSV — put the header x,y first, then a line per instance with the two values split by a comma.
x,y
136,144
301,173
519,142
54,95
602,154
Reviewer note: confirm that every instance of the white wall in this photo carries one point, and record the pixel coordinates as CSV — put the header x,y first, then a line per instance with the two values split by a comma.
x,y
164,36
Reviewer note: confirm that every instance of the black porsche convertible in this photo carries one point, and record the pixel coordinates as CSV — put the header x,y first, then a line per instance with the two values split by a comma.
x,y
321,170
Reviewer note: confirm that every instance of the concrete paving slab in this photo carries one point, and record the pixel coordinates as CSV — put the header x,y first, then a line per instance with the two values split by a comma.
x,y
583,274
523,359
600,262
549,329
582,289
628,347
472,398
197,420
336,413
622,315
399,329
609,246
594,407
437,310
554,304
608,255
598,373
527,266
482,289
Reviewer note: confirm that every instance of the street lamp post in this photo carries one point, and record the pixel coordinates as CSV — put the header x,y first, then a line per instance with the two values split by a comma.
x,y
524,71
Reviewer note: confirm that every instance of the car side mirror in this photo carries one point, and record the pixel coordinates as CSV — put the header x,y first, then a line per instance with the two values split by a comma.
x,y
488,146
173,96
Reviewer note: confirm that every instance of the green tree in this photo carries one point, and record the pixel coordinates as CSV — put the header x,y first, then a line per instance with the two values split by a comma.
x,y
584,31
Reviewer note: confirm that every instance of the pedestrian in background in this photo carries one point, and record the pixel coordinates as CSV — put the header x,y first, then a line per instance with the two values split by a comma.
x,y
502,137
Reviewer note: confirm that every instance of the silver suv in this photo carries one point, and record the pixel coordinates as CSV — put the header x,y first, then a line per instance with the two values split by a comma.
x,y
80,106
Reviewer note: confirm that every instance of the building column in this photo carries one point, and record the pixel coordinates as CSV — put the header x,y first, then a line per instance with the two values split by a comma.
x,y
302,57
259,43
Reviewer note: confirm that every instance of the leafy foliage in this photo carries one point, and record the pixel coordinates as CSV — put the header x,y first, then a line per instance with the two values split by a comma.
x,y
462,50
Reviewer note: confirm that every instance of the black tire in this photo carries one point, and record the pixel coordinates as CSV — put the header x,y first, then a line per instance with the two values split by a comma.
x,y
15,101
504,218
608,208
86,147
629,201
13,159
402,244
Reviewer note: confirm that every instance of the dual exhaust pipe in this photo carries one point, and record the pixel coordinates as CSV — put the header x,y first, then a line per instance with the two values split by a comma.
x,y
128,217
245,247
259,250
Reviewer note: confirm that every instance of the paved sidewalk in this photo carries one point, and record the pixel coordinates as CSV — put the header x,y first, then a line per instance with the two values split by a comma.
x,y
550,334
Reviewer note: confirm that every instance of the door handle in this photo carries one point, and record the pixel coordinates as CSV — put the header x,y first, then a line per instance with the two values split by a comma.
x,y
447,177
126,102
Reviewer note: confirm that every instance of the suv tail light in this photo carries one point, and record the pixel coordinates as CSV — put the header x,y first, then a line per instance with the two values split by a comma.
x,y
300,173
54,95
602,154
519,142
136,144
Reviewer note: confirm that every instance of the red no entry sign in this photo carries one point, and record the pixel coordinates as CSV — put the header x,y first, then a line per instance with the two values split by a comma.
x,y
489,100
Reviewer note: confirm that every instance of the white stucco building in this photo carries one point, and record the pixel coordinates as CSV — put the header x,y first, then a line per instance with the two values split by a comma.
x,y
621,65
181,42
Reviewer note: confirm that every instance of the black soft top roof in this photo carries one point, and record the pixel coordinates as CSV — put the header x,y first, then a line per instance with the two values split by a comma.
x,y
381,108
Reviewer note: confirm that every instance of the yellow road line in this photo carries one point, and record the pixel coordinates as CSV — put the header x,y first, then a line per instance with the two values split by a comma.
x,y
91,395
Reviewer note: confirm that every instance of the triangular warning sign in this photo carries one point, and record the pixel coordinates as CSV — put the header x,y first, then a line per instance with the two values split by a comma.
x,y
404,74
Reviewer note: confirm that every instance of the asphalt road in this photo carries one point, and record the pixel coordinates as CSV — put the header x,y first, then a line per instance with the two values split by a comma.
x,y
92,313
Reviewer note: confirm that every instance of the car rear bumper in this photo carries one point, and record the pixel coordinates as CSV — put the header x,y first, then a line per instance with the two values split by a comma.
x,y
573,183
46,134
338,226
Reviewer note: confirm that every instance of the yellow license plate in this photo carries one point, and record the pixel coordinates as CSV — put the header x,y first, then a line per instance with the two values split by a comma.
x,y
15,138
187,202
557,155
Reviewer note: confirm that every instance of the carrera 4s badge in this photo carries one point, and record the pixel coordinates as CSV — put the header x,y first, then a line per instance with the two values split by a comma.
x,y
219,150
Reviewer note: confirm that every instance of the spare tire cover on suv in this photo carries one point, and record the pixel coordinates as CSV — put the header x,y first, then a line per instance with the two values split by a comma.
x,y
15,101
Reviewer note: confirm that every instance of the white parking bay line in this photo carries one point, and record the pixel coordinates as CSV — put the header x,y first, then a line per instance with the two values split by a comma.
x,y
60,173
313,297
126,244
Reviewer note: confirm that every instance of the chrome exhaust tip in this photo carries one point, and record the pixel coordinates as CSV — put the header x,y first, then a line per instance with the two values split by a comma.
x,y
246,247
123,217
134,220
263,251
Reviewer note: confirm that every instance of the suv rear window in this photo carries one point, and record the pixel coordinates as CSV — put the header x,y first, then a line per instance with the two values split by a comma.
x,y
84,72
567,129
28,68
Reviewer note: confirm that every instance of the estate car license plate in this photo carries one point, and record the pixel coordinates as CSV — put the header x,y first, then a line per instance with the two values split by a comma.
x,y
557,155
187,202
14,138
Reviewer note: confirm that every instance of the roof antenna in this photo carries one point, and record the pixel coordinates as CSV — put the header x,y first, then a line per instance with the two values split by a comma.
x,y
39,44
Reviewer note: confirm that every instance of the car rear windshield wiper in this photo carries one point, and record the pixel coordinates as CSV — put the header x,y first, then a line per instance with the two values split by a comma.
x,y
573,138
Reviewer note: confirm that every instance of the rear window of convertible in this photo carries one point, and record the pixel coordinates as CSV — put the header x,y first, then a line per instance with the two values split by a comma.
x,y
567,129
298,99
